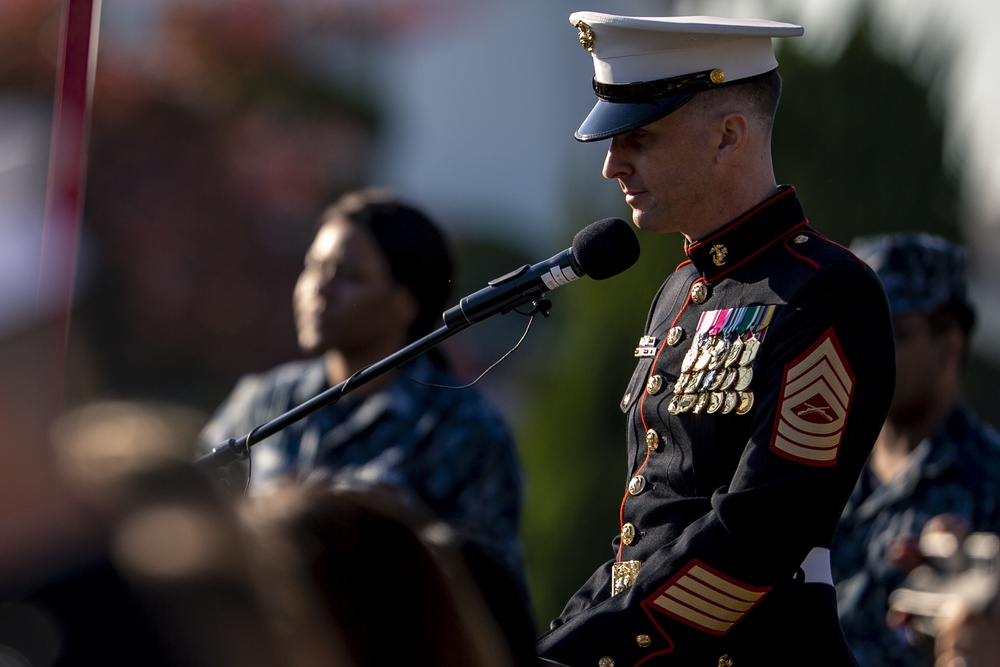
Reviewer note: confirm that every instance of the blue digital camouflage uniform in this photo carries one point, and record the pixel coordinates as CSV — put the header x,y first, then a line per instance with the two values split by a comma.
x,y
765,371
450,448
956,470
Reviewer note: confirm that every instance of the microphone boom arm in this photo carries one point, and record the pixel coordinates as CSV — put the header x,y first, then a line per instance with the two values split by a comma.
x,y
514,289
601,250
236,449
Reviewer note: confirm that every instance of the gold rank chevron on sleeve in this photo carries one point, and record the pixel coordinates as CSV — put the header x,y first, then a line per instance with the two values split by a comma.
x,y
814,403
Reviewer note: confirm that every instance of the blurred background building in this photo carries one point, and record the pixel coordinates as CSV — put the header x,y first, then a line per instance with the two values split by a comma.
x,y
221,128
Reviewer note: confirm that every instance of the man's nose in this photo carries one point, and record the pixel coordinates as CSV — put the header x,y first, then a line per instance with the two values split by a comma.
x,y
614,164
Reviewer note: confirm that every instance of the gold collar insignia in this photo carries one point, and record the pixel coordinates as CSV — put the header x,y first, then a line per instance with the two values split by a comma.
x,y
719,253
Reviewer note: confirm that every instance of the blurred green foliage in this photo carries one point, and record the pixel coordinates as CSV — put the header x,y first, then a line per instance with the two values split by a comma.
x,y
573,435
861,142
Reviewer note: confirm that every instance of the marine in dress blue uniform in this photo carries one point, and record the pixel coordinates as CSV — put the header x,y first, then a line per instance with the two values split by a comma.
x,y
764,372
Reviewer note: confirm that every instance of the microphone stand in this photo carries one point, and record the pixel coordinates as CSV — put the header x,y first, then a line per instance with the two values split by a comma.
x,y
239,449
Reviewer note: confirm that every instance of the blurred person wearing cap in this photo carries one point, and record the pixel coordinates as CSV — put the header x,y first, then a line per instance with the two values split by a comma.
x,y
765,368
376,277
933,456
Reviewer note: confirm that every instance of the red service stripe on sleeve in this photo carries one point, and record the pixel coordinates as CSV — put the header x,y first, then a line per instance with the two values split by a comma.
x,y
706,599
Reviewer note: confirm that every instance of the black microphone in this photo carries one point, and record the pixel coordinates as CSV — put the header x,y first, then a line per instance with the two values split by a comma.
x,y
600,250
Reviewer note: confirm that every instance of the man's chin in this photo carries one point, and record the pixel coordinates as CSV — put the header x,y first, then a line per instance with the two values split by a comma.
x,y
650,222
638,217
644,221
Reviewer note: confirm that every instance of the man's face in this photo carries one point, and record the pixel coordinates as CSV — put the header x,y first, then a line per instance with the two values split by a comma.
x,y
665,170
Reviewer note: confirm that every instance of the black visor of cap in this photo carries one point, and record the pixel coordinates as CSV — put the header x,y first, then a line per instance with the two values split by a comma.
x,y
626,106
607,119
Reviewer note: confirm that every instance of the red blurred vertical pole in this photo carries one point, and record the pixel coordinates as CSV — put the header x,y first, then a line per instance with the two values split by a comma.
x,y
67,165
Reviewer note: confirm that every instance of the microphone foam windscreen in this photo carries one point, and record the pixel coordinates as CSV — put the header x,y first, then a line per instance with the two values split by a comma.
x,y
605,248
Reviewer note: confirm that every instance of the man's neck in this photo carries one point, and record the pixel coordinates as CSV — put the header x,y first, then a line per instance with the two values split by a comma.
x,y
732,208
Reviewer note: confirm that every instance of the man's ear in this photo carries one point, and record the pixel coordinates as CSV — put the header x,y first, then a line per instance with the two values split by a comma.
x,y
734,134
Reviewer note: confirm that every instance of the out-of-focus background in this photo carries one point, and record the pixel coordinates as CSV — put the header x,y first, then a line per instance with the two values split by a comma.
x,y
221,128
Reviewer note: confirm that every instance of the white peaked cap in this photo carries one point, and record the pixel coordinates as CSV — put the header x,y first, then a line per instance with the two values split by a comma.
x,y
645,67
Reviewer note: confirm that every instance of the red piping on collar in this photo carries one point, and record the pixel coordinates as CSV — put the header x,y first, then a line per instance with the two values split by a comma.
x,y
759,250
739,221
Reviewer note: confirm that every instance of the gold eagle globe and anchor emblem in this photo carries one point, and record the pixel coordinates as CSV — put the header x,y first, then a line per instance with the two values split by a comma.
x,y
719,253
586,35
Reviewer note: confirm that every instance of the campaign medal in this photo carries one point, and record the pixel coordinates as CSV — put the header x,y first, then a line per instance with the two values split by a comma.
x,y
708,328
685,402
737,332
735,350
750,347
718,354
716,382
729,378
726,336
692,355
743,377
718,368
701,363
745,402
707,380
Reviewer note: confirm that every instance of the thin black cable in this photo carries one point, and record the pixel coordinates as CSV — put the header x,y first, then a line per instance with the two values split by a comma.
x,y
496,363
539,308
249,459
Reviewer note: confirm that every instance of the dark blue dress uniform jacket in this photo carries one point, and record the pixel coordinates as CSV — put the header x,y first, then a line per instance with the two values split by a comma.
x,y
739,463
